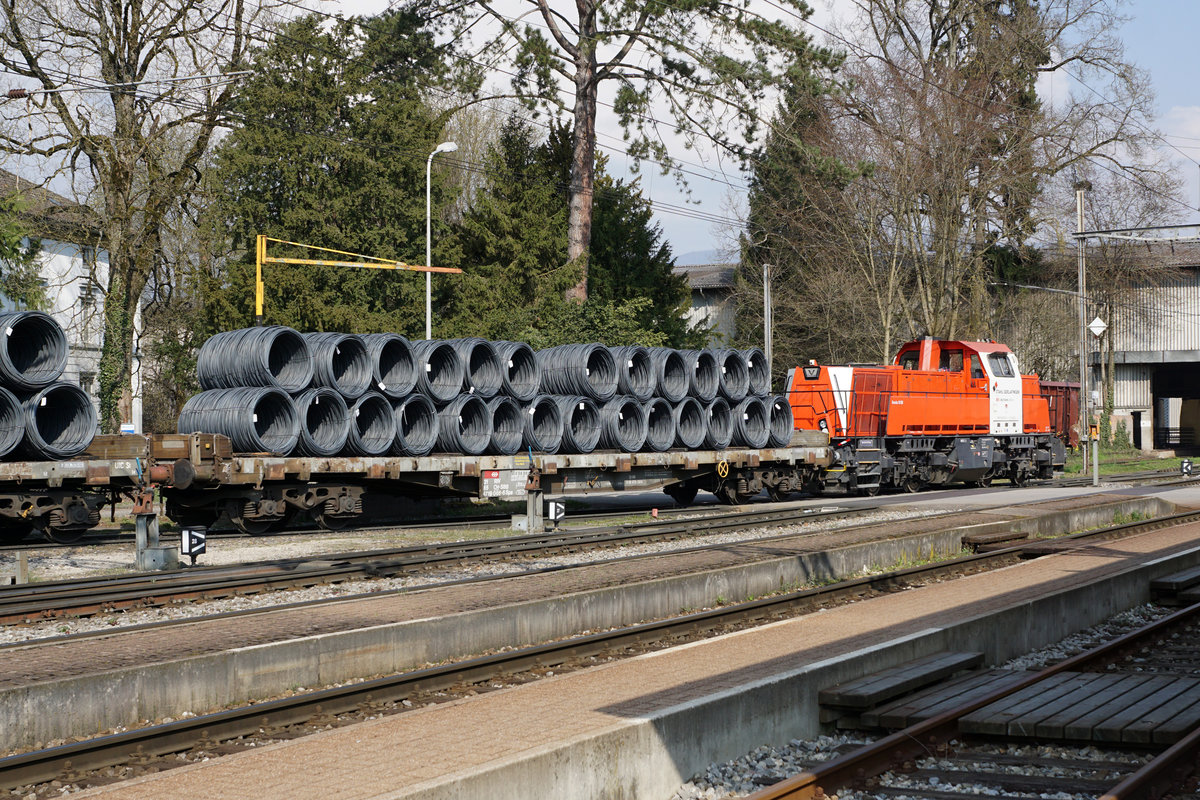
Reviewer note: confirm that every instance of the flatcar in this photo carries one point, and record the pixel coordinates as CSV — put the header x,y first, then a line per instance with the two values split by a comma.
x,y
944,411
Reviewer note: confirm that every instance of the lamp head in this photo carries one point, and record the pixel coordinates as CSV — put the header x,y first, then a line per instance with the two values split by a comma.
x,y
446,147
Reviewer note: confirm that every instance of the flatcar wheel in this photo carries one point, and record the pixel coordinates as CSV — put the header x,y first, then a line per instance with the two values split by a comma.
x,y
1019,479
253,526
912,484
777,495
64,535
868,491
327,522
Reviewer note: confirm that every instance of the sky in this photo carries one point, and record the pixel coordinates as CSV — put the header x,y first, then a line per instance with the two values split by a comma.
x,y
702,222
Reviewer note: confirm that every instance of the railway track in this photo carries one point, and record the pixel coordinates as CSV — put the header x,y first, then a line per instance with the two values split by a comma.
x,y
142,749
86,596
101,536
989,743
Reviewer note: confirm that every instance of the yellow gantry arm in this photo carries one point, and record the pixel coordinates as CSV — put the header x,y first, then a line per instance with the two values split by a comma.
x,y
369,262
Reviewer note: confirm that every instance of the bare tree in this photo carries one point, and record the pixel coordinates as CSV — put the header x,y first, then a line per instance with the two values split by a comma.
x,y
707,66
132,91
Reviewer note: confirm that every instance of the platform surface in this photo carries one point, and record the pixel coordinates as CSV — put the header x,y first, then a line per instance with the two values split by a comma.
x,y
423,753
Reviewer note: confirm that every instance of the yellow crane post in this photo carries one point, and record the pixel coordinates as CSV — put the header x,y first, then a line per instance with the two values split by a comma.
x,y
369,262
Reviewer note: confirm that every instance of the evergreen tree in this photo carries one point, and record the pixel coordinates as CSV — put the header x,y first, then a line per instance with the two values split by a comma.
x,y
331,152
512,246
20,277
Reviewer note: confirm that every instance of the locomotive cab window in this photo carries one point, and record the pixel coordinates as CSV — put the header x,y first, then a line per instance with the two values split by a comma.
x,y
976,367
908,360
1001,366
951,361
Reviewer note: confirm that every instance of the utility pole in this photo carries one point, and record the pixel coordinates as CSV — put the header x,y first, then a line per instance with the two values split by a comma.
x,y
767,321
1081,246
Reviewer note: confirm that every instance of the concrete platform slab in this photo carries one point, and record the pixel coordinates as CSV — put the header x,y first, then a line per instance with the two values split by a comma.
x,y
638,728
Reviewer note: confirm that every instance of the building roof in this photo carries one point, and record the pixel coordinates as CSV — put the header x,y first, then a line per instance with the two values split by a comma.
x,y
708,276
49,214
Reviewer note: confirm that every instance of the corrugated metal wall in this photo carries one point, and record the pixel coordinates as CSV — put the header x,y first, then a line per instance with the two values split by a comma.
x,y
1131,386
1165,316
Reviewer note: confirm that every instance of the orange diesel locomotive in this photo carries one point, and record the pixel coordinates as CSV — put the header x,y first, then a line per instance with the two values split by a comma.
x,y
943,411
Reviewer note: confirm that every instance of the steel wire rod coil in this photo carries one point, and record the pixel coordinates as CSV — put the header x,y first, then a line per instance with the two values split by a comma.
x,y
622,424
660,424
543,425
691,423
324,422
439,370
585,369
734,376
751,423
464,426
581,423
671,381
522,377
34,352
60,422
393,365
508,425
482,371
372,426
703,375
12,422
416,425
719,419
635,372
272,356
759,372
781,422
257,419
341,362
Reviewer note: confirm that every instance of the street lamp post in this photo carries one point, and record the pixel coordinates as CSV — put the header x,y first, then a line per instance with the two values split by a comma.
x,y
1085,416
444,147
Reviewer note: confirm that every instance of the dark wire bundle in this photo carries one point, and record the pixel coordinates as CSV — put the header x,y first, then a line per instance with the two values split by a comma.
x,y
671,381
521,373
703,377
482,374
33,350
719,418
781,420
12,422
508,425
257,419
372,426
759,371
581,423
543,425
341,362
416,425
273,356
622,424
734,377
585,369
393,365
60,422
324,422
691,424
439,370
635,372
464,426
660,424
751,423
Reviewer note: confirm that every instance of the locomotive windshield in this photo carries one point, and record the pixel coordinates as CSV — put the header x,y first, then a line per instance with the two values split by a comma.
x,y
1001,367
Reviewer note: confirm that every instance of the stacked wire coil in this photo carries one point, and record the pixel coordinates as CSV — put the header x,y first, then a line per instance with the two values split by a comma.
x,y
571,398
394,368
41,416
257,419
273,356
